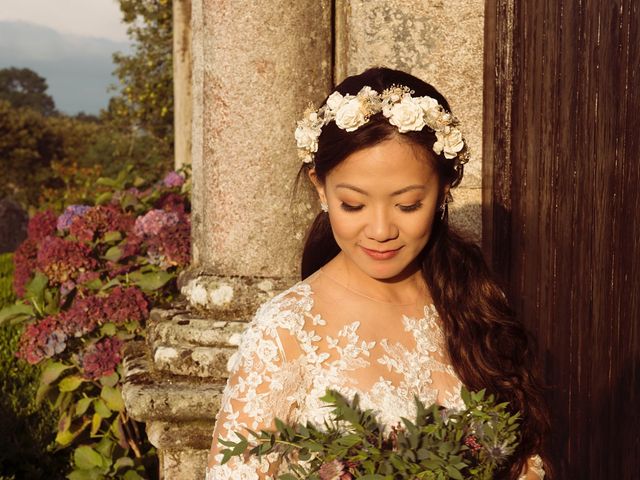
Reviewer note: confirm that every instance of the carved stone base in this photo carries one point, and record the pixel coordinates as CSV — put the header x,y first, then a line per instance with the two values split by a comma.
x,y
174,381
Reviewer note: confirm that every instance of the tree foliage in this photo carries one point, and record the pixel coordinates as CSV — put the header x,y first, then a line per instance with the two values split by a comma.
x,y
145,97
23,87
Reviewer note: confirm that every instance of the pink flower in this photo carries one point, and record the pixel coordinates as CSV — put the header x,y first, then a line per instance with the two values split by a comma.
x,y
126,305
102,358
42,225
172,245
61,260
173,179
154,221
172,202
24,262
84,316
41,340
97,221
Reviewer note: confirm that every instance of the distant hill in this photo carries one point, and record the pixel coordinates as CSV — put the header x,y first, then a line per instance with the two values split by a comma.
x,y
78,69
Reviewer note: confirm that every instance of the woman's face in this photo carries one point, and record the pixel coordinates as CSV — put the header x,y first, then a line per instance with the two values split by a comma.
x,y
382,202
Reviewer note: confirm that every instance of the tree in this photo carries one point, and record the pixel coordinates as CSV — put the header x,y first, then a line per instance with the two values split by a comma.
x,y
145,97
23,87
28,145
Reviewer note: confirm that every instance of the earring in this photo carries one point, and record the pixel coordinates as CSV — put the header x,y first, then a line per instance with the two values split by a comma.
x,y
324,207
443,208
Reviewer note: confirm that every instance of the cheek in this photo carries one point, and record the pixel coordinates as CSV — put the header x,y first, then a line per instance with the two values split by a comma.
x,y
344,227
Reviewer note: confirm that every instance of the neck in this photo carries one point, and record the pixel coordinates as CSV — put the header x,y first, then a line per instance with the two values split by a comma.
x,y
406,288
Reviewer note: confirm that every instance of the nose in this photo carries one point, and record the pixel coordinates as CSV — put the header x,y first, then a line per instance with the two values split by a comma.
x,y
380,226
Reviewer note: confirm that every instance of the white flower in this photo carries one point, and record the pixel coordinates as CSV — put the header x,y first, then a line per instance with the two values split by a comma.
x,y
334,101
407,115
308,131
350,115
450,141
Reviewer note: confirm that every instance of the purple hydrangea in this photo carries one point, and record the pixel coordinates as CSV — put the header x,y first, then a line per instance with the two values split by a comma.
x,y
72,211
173,179
102,358
41,340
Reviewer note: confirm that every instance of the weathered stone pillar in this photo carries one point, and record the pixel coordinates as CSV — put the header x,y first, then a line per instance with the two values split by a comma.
x,y
182,104
255,67
438,41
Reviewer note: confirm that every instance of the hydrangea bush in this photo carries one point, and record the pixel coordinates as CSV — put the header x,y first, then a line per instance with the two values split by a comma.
x,y
85,280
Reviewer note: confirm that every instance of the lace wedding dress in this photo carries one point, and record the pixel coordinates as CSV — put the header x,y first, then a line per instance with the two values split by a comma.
x,y
310,338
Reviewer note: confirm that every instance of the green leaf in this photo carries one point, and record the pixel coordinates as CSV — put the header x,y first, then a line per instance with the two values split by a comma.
x,y
103,197
123,462
152,280
108,329
113,397
113,254
93,474
70,383
110,380
82,405
86,458
96,421
16,311
35,288
111,237
100,407
52,371
132,475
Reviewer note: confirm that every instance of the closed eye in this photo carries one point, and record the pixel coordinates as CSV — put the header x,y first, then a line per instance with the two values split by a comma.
x,y
350,208
410,208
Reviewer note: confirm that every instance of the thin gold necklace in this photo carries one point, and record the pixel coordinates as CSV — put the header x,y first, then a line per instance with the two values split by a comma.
x,y
357,292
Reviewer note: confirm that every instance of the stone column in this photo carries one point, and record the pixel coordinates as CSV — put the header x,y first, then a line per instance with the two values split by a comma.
x,y
256,65
182,81
440,42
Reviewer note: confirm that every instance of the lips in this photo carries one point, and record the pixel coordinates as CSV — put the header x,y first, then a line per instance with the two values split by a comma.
x,y
380,254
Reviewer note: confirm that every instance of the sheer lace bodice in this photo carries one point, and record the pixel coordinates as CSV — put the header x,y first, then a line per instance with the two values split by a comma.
x,y
310,338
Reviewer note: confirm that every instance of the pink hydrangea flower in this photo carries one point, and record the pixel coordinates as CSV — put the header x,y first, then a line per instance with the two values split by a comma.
x,y
42,225
24,262
154,221
173,179
102,358
84,316
99,220
172,245
61,260
126,305
72,211
41,340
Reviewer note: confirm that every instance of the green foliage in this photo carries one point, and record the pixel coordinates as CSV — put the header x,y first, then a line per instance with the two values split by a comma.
x,y
28,145
28,429
145,96
24,88
470,444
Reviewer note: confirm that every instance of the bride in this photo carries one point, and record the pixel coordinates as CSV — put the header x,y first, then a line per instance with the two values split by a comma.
x,y
392,303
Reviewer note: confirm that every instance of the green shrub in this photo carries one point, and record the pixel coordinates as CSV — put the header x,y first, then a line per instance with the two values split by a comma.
x,y
28,430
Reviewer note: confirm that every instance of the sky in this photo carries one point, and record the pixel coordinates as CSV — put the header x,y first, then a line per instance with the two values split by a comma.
x,y
96,18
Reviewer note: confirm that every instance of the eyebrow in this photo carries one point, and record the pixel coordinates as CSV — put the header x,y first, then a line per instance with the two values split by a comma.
x,y
397,192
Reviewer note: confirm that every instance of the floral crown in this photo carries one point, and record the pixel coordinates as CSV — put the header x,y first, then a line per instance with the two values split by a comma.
x,y
407,113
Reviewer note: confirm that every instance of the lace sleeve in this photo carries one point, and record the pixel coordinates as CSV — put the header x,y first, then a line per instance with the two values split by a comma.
x,y
534,470
262,386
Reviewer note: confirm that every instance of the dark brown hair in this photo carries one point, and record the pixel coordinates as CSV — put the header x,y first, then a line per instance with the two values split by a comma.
x,y
488,347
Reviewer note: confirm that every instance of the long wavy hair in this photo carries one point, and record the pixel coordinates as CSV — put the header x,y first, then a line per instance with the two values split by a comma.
x,y
488,347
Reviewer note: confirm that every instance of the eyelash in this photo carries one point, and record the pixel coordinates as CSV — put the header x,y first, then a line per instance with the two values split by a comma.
x,y
405,208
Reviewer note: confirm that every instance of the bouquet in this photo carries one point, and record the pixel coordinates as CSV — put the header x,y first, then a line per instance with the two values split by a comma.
x,y
441,444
